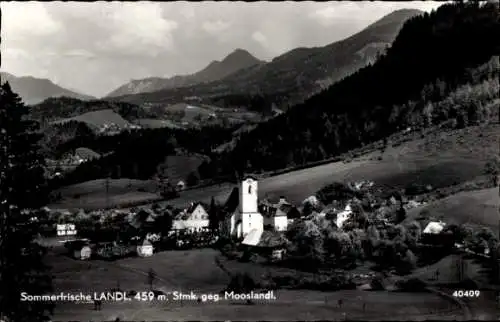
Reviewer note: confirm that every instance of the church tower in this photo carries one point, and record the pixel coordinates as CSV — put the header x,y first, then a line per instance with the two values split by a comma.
x,y
250,216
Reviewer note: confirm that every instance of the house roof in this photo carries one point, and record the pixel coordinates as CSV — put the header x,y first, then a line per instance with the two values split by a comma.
x,y
86,153
434,227
141,218
278,208
271,239
146,243
184,215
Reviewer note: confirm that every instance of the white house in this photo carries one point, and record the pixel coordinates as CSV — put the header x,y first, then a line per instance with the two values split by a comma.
x,y
84,252
145,249
278,215
434,227
242,206
343,216
181,185
66,230
194,218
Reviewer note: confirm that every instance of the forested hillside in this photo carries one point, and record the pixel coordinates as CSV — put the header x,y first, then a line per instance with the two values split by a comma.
x,y
64,107
431,74
133,154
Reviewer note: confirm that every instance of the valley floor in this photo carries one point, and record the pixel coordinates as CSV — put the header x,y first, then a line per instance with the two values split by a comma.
x,y
180,270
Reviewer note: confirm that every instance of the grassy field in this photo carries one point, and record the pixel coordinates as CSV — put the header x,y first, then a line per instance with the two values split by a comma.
x,y
478,207
156,123
92,194
196,270
97,119
441,159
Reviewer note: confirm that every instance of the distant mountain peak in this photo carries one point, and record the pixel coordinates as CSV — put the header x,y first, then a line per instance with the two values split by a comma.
x,y
34,90
397,16
216,70
238,54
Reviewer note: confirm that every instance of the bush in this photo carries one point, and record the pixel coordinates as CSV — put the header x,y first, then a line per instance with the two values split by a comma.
x,y
412,285
377,284
241,282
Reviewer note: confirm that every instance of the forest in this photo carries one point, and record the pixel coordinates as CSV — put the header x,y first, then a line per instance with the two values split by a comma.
x,y
439,68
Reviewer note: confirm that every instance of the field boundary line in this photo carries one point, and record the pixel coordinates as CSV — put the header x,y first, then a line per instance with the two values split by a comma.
x,y
460,303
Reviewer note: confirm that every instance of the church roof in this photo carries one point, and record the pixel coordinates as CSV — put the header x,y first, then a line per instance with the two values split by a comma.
x,y
252,238
249,176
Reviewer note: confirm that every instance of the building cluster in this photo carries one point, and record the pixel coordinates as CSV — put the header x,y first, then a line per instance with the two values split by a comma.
x,y
115,129
256,224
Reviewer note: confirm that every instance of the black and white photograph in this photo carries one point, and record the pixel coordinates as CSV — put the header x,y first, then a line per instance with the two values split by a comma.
x,y
250,161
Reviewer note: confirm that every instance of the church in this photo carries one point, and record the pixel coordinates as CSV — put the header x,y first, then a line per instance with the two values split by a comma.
x,y
242,211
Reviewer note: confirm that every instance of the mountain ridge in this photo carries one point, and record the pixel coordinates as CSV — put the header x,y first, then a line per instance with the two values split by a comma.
x,y
35,90
297,74
215,70
415,85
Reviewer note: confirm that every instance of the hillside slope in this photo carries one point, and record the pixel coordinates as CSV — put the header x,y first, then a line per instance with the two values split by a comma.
x,y
413,85
297,74
54,109
216,70
99,119
35,90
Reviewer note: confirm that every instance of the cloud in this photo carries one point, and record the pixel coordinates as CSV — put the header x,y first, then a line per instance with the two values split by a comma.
x,y
214,27
260,38
27,21
79,53
138,29
98,46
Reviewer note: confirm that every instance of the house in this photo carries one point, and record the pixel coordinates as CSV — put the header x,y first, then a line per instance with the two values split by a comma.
x,y
241,208
181,185
143,220
343,216
82,253
145,249
194,218
278,215
86,154
270,244
66,230
434,234
434,227
79,249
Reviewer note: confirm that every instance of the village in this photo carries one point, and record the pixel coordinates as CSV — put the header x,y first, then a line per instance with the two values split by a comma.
x,y
355,227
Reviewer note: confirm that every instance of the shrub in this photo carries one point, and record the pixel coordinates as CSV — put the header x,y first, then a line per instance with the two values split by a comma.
x,y
241,282
412,285
377,284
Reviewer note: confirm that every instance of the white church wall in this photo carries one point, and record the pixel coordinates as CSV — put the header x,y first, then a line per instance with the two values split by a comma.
x,y
249,196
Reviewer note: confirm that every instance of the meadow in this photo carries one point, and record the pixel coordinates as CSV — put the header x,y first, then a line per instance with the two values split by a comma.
x,y
196,270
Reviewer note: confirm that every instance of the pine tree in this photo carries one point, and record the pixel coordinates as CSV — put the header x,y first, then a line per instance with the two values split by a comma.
x,y
22,189
213,215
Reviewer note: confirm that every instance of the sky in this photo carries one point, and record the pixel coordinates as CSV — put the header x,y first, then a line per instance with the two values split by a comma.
x,y
95,47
